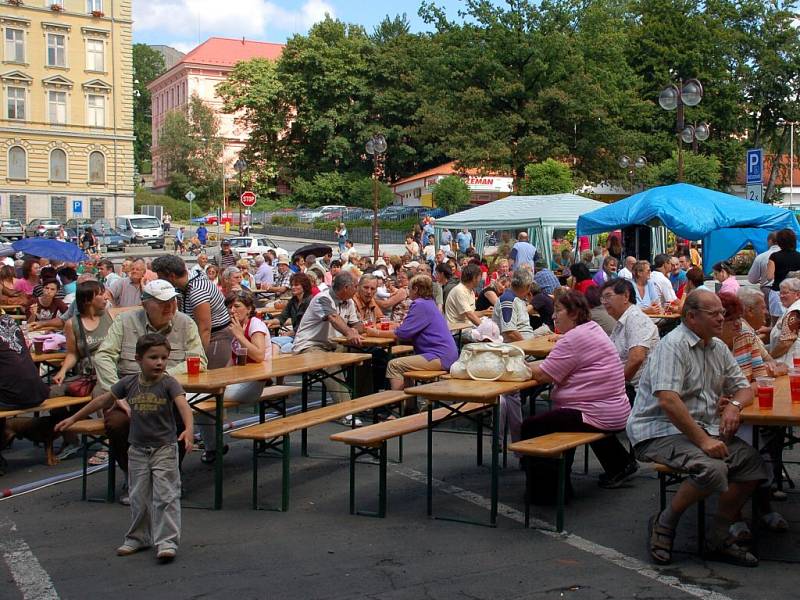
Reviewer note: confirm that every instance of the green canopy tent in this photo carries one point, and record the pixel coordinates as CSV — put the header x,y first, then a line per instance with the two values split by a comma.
x,y
540,216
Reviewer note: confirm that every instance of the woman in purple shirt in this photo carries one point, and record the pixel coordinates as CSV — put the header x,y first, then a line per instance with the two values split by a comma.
x,y
426,329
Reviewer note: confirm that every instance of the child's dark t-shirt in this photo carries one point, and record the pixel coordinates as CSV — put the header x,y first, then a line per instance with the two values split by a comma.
x,y
152,409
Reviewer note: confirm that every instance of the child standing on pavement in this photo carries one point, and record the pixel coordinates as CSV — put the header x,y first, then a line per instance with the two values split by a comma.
x,y
154,482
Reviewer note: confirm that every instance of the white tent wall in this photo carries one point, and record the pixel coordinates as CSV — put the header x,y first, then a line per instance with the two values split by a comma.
x,y
540,216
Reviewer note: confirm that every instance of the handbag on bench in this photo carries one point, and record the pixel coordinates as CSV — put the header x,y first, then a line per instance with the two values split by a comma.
x,y
490,361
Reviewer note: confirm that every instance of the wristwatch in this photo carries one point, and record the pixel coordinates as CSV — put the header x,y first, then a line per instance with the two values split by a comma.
x,y
737,404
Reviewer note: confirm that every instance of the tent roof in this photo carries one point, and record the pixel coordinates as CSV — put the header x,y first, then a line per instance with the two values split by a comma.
x,y
691,212
558,210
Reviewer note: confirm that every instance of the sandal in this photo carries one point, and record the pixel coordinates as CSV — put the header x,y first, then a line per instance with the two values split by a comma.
x,y
774,521
732,553
99,458
740,533
660,540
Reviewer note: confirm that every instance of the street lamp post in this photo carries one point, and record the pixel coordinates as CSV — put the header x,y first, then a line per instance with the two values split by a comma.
x,y
376,148
791,125
688,93
240,165
632,165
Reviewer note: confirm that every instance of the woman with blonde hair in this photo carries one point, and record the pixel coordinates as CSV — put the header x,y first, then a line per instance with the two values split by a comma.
x,y
248,281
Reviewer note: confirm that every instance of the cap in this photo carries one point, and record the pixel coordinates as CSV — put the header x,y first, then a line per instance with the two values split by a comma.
x,y
379,274
380,262
159,290
412,265
226,242
283,260
487,331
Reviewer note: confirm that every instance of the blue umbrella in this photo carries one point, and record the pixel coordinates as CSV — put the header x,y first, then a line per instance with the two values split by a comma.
x,y
50,249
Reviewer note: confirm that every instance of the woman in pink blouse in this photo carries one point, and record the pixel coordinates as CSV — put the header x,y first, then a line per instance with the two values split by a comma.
x,y
723,272
588,395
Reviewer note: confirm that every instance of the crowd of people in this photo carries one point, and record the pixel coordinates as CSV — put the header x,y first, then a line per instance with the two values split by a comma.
x,y
678,397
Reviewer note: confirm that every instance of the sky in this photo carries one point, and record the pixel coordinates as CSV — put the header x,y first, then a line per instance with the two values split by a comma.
x,y
183,23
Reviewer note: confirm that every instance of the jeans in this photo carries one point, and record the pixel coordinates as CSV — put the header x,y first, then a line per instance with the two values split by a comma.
x,y
154,485
511,415
284,342
246,393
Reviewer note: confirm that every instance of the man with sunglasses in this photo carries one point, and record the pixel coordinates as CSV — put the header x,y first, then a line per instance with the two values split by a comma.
x,y
680,419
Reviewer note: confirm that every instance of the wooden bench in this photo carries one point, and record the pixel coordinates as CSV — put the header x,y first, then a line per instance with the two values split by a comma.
x,y
46,406
93,433
366,440
400,350
275,434
553,446
668,477
424,376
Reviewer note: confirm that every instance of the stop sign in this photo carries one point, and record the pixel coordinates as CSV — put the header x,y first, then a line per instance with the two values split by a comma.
x,y
248,199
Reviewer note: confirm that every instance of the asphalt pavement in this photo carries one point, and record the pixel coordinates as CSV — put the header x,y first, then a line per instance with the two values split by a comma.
x,y
55,546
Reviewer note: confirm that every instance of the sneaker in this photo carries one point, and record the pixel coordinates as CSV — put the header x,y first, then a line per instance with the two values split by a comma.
x,y
348,421
209,456
611,482
125,499
67,451
127,549
779,495
166,555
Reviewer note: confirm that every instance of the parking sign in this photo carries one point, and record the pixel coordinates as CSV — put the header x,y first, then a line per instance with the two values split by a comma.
x,y
77,207
755,161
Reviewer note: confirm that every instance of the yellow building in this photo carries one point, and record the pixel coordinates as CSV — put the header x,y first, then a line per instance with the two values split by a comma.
x,y
66,127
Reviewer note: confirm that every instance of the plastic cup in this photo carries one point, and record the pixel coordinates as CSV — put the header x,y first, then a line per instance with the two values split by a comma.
x,y
765,387
796,360
241,357
794,384
384,324
193,365
38,346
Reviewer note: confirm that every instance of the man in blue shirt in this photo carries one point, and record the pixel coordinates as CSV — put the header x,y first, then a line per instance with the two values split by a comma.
x,y
523,253
464,240
202,235
447,238
677,276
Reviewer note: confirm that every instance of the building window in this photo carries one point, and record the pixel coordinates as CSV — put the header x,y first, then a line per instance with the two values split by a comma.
x,y
17,163
15,45
56,50
97,208
58,165
16,103
95,55
57,107
97,167
96,116
94,6
58,208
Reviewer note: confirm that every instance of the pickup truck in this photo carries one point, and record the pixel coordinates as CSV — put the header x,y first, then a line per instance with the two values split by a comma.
x,y
11,229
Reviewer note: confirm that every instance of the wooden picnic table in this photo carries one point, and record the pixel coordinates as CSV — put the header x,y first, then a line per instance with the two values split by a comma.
x,y
369,342
212,384
539,346
663,315
449,393
783,412
48,357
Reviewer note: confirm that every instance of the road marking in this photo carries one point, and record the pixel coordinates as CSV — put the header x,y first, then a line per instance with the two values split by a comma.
x,y
32,580
608,554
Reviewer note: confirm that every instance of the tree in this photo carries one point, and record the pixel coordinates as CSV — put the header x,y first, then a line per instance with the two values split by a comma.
x,y
704,171
451,194
191,148
336,188
147,66
549,177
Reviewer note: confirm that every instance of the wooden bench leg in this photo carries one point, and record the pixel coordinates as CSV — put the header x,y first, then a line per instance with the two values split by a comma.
x,y
586,459
255,474
352,480
701,528
562,484
111,475
285,475
382,482
528,480
84,464
480,439
662,492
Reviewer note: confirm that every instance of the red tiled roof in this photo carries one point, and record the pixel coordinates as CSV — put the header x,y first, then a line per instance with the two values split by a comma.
x,y
228,52
446,169
782,178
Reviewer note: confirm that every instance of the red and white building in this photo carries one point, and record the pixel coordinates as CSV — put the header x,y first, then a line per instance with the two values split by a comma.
x,y
199,72
484,187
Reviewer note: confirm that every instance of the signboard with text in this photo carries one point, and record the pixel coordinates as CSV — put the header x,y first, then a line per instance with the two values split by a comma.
x,y
248,199
754,165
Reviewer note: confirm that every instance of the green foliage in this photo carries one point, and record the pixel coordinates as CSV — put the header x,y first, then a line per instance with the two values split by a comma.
x,y
283,220
147,66
335,188
179,209
191,148
697,169
451,194
548,177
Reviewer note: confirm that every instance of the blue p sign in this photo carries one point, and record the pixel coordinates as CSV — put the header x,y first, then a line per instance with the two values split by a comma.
x,y
754,164
77,207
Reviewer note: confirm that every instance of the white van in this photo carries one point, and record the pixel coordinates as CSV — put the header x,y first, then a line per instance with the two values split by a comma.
x,y
141,229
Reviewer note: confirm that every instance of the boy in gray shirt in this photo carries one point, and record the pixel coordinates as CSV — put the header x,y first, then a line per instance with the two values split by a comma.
x,y
152,397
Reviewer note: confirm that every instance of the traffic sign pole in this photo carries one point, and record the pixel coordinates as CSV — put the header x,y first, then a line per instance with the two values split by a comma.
x,y
190,196
247,200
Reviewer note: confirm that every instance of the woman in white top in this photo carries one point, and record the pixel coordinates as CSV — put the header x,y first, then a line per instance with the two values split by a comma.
x,y
783,338
250,333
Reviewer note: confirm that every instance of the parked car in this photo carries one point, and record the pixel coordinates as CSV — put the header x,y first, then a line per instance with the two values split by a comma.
x,y
354,213
396,212
77,223
37,227
12,229
107,237
247,247
321,212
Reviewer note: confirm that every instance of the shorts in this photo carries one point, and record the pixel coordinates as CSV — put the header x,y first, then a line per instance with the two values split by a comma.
x,y
708,474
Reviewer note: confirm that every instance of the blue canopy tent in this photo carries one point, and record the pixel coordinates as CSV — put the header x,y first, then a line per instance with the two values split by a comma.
x,y
725,223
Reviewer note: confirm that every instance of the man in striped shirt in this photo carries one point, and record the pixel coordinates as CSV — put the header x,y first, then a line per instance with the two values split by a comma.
x,y
202,301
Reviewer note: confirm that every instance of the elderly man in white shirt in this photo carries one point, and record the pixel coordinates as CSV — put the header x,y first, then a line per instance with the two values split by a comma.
x,y
758,271
661,266
634,334
627,271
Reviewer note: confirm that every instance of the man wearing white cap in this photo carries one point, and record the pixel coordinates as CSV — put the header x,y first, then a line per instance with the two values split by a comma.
x,y
116,356
281,285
